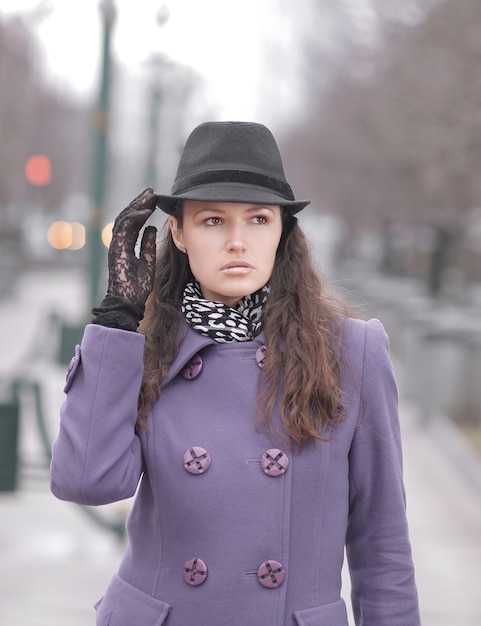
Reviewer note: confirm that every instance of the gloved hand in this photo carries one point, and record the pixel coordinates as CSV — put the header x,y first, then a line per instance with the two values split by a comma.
x,y
131,278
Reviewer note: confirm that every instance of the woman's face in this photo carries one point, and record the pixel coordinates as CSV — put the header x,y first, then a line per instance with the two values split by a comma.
x,y
231,246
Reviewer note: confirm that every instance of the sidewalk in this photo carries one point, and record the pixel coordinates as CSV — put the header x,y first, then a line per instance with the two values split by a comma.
x,y
55,561
444,512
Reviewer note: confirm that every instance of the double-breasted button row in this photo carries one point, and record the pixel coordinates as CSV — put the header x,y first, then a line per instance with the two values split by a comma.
x,y
270,574
274,462
196,363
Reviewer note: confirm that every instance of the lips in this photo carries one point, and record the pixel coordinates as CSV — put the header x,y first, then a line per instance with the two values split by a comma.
x,y
239,263
237,268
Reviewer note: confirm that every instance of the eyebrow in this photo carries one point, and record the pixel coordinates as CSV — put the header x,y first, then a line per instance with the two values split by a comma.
x,y
252,209
257,207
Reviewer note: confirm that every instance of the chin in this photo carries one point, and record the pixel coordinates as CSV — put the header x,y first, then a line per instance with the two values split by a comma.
x,y
233,299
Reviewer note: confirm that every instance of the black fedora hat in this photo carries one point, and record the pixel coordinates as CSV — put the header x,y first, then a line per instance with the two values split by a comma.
x,y
231,162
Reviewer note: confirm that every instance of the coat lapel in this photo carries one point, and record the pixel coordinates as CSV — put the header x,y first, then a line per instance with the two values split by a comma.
x,y
192,342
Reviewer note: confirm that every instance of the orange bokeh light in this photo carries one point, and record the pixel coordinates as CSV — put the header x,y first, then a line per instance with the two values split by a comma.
x,y
60,235
66,235
107,234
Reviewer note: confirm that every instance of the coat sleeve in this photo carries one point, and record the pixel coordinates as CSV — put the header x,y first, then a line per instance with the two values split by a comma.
x,y
377,543
97,455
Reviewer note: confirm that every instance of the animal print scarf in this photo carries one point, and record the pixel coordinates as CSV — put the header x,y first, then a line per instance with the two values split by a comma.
x,y
221,322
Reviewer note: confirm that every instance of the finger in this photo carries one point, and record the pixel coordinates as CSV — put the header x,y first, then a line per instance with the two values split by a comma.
x,y
148,246
133,217
139,203
145,198
143,204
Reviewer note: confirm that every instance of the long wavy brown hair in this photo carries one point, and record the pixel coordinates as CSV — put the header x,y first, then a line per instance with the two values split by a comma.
x,y
301,322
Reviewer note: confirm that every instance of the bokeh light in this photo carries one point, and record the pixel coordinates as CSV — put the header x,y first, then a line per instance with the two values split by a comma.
x,y
38,170
63,235
107,234
59,235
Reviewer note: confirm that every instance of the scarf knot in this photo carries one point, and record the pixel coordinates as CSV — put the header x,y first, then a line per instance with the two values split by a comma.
x,y
221,322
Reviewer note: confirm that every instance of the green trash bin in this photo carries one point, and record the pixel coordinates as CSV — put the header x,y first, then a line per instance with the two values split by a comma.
x,y
9,422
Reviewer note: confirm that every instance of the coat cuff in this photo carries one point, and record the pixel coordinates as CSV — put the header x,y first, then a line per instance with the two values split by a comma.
x,y
116,312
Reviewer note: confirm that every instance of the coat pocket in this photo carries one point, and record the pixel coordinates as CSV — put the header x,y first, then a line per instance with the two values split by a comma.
x,y
334,614
125,605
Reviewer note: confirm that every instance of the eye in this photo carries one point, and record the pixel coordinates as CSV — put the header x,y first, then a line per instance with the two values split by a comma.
x,y
213,221
260,219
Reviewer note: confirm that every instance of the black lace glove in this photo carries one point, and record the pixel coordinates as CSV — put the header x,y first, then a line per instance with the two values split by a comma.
x,y
131,278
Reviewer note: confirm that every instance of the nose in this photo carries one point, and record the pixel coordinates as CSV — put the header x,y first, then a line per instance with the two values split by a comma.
x,y
236,241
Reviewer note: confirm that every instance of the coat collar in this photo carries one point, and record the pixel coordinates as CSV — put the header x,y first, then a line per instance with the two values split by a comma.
x,y
192,342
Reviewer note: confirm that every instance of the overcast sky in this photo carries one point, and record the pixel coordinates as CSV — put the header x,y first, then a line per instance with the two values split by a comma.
x,y
224,41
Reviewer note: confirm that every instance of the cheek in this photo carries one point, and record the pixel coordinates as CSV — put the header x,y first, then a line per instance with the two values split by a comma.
x,y
271,251
270,260
200,260
265,262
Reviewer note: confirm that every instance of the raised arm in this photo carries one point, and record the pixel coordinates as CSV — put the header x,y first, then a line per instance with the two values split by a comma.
x,y
97,457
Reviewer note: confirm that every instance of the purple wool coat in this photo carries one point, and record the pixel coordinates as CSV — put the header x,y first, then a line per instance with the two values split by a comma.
x,y
229,525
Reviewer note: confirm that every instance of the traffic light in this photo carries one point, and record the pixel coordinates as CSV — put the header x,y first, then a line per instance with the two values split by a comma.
x,y
38,170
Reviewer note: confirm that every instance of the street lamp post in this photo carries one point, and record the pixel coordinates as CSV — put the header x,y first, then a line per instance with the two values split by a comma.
x,y
157,63
71,334
153,134
99,174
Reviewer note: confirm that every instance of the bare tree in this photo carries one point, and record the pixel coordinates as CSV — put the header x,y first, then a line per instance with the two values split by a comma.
x,y
35,118
396,137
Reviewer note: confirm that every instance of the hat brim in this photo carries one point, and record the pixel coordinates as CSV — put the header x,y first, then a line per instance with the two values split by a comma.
x,y
231,192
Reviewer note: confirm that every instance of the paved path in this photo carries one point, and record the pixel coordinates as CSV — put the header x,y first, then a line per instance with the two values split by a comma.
x,y
444,511
55,561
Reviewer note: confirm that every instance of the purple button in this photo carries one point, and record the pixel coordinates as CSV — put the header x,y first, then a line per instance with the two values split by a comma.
x,y
271,574
72,369
193,368
194,572
274,462
196,460
260,356
71,365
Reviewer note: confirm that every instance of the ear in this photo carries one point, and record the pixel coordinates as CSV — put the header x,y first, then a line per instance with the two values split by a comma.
x,y
176,232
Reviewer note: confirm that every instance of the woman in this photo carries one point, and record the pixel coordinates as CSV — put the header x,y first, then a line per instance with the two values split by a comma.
x,y
260,419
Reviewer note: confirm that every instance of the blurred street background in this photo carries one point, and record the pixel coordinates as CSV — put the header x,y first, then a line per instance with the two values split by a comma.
x,y
376,105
